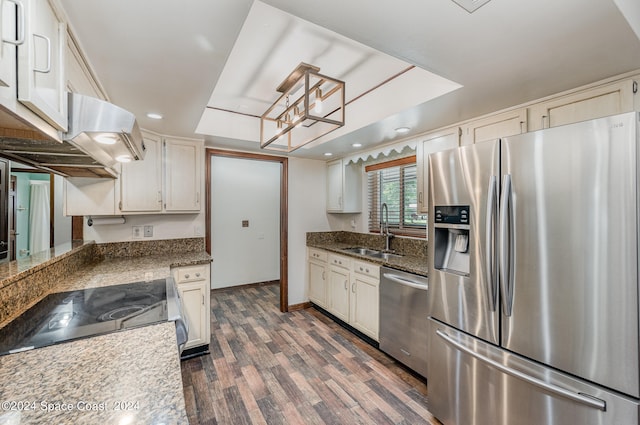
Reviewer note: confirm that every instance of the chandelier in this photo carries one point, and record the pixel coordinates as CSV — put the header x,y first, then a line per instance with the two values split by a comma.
x,y
311,105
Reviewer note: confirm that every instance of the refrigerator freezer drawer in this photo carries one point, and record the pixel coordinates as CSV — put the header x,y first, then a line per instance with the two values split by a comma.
x,y
479,383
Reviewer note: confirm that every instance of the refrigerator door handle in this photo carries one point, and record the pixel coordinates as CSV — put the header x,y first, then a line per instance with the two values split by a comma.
x,y
506,246
490,243
587,400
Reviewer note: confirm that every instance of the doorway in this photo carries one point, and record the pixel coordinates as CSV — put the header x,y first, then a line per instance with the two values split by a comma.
x,y
262,164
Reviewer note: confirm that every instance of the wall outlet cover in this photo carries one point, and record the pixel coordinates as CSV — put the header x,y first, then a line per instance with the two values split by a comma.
x,y
137,232
148,231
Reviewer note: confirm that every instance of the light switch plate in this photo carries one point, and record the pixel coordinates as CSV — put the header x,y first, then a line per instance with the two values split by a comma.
x,y
148,231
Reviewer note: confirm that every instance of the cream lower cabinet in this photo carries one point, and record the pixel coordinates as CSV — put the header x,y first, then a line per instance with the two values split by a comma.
x,y
338,286
317,278
365,300
350,289
194,288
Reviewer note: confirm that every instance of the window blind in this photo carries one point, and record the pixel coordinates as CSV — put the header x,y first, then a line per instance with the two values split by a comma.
x,y
395,183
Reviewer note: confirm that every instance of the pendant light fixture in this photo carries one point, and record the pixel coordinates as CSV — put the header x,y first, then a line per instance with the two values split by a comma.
x,y
311,105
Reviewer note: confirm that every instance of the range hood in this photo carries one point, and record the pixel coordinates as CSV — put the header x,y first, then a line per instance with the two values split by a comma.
x,y
100,135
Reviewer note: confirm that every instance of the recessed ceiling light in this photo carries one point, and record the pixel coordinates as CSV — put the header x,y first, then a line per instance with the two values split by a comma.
x,y
402,130
154,116
357,145
328,154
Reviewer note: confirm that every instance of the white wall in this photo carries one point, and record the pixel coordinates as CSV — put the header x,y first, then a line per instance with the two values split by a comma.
x,y
62,224
244,190
307,213
173,226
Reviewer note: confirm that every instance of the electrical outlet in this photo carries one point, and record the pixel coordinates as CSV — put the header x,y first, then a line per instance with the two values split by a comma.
x,y
137,232
148,231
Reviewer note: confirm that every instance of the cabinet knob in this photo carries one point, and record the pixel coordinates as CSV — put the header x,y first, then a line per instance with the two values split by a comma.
x,y
197,274
186,276
367,270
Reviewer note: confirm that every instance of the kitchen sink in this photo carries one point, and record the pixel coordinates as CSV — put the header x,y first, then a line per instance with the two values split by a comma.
x,y
372,253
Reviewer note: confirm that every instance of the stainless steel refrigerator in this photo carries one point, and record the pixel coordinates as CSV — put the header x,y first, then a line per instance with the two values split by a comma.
x,y
533,272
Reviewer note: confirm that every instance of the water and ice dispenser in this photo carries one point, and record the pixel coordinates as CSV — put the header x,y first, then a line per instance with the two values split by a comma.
x,y
451,232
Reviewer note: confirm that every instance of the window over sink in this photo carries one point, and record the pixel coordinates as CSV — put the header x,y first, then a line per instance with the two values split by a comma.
x,y
395,183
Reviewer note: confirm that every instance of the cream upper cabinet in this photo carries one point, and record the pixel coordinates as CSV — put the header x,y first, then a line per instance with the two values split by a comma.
x,y
89,196
344,187
609,99
80,79
183,175
141,181
41,64
495,126
10,13
433,142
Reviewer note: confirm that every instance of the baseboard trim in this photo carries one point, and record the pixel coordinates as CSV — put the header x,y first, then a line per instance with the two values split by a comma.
x,y
301,306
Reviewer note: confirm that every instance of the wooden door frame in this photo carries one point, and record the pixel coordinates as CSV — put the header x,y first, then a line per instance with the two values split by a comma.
x,y
284,221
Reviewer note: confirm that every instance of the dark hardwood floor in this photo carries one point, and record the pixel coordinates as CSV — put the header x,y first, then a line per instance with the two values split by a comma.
x,y
268,367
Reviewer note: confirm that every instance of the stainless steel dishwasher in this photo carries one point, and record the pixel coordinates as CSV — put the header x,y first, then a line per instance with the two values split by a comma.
x,y
403,318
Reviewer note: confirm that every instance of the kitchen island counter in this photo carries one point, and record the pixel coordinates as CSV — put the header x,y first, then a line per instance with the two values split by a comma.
x,y
126,377
130,376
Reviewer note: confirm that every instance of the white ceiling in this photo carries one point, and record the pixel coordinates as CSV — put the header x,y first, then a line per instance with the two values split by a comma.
x,y
178,57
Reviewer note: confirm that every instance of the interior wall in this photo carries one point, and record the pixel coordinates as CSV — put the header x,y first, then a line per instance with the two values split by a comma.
x,y
168,226
307,213
245,221
62,224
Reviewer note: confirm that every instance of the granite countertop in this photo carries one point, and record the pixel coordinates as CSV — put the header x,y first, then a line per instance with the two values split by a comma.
x,y
107,379
116,270
121,379
407,263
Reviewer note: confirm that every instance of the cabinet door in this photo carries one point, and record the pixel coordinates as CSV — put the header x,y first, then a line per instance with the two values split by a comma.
x,y
318,283
365,305
41,64
338,293
141,181
183,162
8,18
335,189
195,309
610,99
89,196
435,142
495,126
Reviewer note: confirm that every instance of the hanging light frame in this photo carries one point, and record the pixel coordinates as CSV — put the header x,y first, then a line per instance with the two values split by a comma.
x,y
292,122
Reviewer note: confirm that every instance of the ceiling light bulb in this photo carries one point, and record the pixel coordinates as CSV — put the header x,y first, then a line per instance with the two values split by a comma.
x,y
318,105
106,139
296,117
154,116
402,130
357,145
328,154
123,158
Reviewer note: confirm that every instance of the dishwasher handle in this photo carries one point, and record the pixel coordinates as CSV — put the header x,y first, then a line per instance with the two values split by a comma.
x,y
406,282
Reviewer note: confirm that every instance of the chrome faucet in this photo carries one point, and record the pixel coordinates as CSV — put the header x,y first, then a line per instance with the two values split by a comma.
x,y
384,225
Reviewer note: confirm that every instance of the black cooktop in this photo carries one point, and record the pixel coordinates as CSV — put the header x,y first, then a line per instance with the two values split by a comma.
x,y
67,316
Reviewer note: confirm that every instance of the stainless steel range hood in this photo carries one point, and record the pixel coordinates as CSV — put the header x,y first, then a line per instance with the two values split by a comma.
x,y
100,134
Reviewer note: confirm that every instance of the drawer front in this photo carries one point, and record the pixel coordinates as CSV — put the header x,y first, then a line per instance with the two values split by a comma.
x,y
367,268
340,261
191,273
317,254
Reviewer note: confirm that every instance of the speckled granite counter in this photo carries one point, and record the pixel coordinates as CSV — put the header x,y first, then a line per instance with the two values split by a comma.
x,y
108,379
413,260
103,370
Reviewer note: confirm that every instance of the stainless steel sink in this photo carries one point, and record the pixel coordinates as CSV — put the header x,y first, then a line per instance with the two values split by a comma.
x,y
372,253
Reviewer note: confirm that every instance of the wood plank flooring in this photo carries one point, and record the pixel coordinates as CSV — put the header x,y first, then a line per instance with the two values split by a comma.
x,y
268,367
